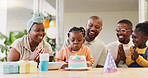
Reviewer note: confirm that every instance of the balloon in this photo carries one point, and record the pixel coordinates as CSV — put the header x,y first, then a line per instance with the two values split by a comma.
x,y
46,23
52,23
51,32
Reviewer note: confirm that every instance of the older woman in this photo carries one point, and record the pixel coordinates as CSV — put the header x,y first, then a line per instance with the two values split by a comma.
x,y
30,46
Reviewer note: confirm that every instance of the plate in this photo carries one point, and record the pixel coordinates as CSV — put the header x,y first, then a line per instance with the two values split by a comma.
x,y
77,69
53,68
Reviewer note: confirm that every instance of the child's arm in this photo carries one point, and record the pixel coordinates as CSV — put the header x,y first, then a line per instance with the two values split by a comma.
x,y
142,62
60,57
89,58
129,60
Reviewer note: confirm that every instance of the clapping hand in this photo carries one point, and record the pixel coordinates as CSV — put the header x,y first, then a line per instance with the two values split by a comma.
x,y
121,52
134,55
36,54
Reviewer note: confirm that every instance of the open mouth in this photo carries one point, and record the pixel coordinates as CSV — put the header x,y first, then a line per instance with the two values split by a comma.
x,y
91,33
121,36
40,37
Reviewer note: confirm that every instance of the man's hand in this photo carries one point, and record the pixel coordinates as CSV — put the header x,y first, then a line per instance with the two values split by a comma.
x,y
121,52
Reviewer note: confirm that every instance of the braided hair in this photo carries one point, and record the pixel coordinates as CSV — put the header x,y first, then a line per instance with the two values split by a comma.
x,y
143,28
81,29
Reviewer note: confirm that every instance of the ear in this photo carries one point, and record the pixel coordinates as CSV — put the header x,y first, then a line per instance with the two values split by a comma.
x,y
145,38
83,40
131,32
68,41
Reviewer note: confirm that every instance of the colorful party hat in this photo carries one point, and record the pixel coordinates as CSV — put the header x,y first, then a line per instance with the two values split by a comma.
x,y
110,65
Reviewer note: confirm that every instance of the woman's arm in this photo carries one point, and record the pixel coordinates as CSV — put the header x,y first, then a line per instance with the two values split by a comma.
x,y
13,55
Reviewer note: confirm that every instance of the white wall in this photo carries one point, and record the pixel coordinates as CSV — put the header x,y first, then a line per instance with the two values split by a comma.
x,y
110,20
79,19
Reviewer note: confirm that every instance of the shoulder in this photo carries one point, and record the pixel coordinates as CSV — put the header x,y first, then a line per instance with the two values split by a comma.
x,y
112,44
99,42
20,41
46,44
85,47
64,50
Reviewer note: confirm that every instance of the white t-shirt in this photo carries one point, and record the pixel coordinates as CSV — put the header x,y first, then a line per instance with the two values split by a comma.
x,y
98,50
113,47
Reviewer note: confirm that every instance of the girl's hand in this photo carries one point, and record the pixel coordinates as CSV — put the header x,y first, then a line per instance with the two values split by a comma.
x,y
36,54
135,55
64,65
88,65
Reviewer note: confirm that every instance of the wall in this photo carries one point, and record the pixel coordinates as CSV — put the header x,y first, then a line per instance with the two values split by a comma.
x,y
79,19
110,20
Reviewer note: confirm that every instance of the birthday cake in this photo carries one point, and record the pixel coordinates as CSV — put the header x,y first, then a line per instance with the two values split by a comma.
x,y
77,62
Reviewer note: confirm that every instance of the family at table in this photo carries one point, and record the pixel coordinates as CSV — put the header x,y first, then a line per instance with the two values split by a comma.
x,y
126,51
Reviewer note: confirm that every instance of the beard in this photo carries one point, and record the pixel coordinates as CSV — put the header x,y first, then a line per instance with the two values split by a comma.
x,y
90,36
121,41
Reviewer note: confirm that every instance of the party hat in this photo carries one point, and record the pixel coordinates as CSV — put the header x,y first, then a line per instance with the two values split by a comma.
x,y
110,65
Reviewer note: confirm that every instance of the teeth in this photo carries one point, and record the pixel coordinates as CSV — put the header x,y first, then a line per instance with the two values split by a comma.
x,y
92,32
40,37
121,37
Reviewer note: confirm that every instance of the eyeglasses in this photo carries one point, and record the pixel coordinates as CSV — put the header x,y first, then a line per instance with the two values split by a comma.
x,y
122,30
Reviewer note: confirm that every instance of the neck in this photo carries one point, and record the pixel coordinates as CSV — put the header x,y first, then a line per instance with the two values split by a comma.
x,y
126,42
33,44
143,46
87,39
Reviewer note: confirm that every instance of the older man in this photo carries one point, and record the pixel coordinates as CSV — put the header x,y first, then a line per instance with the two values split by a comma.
x,y
120,48
98,49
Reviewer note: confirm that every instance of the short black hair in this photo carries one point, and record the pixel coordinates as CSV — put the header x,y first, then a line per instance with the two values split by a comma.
x,y
143,27
96,17
125,21
81,29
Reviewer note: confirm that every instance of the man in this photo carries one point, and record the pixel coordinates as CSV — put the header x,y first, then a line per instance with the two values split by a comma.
x,y
98,49
119,48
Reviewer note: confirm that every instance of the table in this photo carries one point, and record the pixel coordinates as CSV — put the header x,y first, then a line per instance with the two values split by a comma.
x,y
91,73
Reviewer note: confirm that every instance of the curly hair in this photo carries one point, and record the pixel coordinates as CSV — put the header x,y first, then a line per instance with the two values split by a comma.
x,y
143,27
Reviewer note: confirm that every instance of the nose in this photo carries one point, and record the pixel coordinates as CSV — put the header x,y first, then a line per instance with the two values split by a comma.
x,y
120,32
76,41
93,28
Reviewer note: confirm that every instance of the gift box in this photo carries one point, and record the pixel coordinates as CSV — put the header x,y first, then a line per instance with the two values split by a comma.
x,y
31,67
22,65
10,67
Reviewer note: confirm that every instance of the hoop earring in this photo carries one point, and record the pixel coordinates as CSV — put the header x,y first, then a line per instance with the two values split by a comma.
x,y
146,43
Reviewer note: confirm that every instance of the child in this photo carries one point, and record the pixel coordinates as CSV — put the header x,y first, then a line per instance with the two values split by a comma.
x,y
137,56
76,39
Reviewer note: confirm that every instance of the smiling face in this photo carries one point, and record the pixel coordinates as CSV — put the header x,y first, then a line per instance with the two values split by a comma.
x,y
139,39
93,28
76,40
37,33
123,37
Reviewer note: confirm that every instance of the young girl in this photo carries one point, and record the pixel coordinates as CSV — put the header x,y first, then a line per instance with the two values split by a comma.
x,y
137,56
76,39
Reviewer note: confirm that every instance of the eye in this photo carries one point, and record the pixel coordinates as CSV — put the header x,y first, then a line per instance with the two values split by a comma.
x,y
117,30
37,30
123,30
79,40
98,27
72,40
90,25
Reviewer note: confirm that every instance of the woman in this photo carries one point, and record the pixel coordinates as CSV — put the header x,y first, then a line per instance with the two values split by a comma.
x,y
30,46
